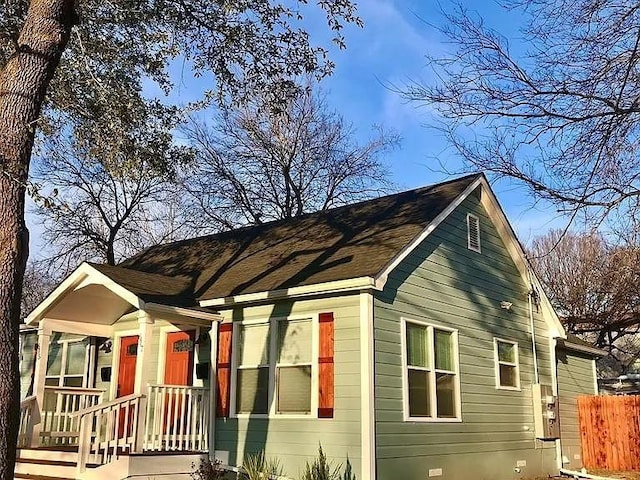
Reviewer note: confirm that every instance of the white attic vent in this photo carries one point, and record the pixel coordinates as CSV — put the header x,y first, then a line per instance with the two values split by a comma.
x,y
473,233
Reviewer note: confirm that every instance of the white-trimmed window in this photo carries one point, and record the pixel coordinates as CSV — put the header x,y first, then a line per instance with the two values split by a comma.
x,y
275,367
431,374
473,232
67,363
507,364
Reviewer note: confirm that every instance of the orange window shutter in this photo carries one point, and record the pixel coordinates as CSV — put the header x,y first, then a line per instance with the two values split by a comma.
x,y
224,369
326,366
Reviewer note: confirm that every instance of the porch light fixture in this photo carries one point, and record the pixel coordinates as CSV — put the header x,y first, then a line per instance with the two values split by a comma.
x,y
106,346
506,305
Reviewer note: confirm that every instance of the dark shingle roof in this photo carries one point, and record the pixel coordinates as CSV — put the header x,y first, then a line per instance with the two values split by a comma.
x,y
346,242
150,287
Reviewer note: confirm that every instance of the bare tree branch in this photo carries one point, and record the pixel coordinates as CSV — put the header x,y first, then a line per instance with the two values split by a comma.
x,y
256,165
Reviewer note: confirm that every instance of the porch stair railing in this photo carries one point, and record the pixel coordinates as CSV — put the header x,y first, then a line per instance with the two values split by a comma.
x,y
59,425
167,418
109,430
26,421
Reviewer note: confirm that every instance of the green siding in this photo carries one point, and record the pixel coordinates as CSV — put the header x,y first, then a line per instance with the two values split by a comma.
x,y
444,283
295,441
575,377
29,340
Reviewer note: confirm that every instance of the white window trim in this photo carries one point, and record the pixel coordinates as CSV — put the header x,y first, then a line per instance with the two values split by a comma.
x,y
405,372
497,364
469,246
271,398
63,365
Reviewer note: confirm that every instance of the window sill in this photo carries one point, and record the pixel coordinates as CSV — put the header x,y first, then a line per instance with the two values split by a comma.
x,y
277,416
432,420
512,389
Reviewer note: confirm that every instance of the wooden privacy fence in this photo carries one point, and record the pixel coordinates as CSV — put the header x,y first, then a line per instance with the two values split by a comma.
x,y
610,431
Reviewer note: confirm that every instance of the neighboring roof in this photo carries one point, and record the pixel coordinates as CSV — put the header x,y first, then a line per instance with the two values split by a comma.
x,y
357,240
575,343
622,385
150,287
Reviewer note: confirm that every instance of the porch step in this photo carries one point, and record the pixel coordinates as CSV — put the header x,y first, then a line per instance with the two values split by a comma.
x,y
53,468
63,454
28,476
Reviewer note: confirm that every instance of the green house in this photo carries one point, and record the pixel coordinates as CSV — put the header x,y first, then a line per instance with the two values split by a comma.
x,y
405,333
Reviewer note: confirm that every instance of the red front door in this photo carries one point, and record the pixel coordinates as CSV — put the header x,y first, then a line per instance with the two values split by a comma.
x,y
179,363
178,371
127,368
127,376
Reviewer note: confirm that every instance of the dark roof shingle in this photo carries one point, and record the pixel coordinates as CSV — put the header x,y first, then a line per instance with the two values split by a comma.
x,y
347,242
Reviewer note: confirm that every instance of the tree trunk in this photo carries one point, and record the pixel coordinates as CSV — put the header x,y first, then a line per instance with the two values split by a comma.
x,y
23,85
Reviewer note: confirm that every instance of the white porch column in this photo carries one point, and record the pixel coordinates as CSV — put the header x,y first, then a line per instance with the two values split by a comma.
x,y
144,373
213,381
40,372
145,354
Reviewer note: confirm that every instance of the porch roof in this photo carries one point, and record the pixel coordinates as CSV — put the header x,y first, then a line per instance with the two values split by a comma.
x,y
151,287
101,294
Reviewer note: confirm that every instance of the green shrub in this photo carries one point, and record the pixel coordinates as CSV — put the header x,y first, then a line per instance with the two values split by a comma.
x,y
348,474
258,467
207,470
321,469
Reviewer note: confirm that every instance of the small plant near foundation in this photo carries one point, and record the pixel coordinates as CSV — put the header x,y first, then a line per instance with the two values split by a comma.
x,y
348,474
259,467
207,470
322,469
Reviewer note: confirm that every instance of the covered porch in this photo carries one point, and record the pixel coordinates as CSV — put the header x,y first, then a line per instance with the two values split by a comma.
x,y
119,371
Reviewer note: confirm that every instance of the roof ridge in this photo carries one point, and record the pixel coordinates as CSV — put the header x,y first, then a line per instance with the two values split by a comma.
x,y
299,218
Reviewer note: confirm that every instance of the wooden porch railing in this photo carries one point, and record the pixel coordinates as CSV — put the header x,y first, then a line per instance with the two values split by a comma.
x,y
58,424
26,421
109,430
177,418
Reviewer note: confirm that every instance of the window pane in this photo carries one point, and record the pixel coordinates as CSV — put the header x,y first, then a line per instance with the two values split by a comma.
x,y
419,393
73,381
294,389
254,344
52,381
54,361
508,376
76,353
445,394
506,352
417,345
443,350
253,390
294,341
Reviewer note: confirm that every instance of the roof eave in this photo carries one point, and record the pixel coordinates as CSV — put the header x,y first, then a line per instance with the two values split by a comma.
x,y
381,277
326,288
577,347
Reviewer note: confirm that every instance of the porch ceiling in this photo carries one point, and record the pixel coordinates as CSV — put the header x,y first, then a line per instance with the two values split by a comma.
x,y
91,303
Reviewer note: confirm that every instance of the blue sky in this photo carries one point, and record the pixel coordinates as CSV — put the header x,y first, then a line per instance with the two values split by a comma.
x,y
390,50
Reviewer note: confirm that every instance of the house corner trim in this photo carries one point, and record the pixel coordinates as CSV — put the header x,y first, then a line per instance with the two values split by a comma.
x,y
367,412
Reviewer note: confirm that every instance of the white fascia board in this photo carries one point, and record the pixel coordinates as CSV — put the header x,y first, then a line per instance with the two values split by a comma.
x,y
339,286
381,278
69,283
83,275
183,312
